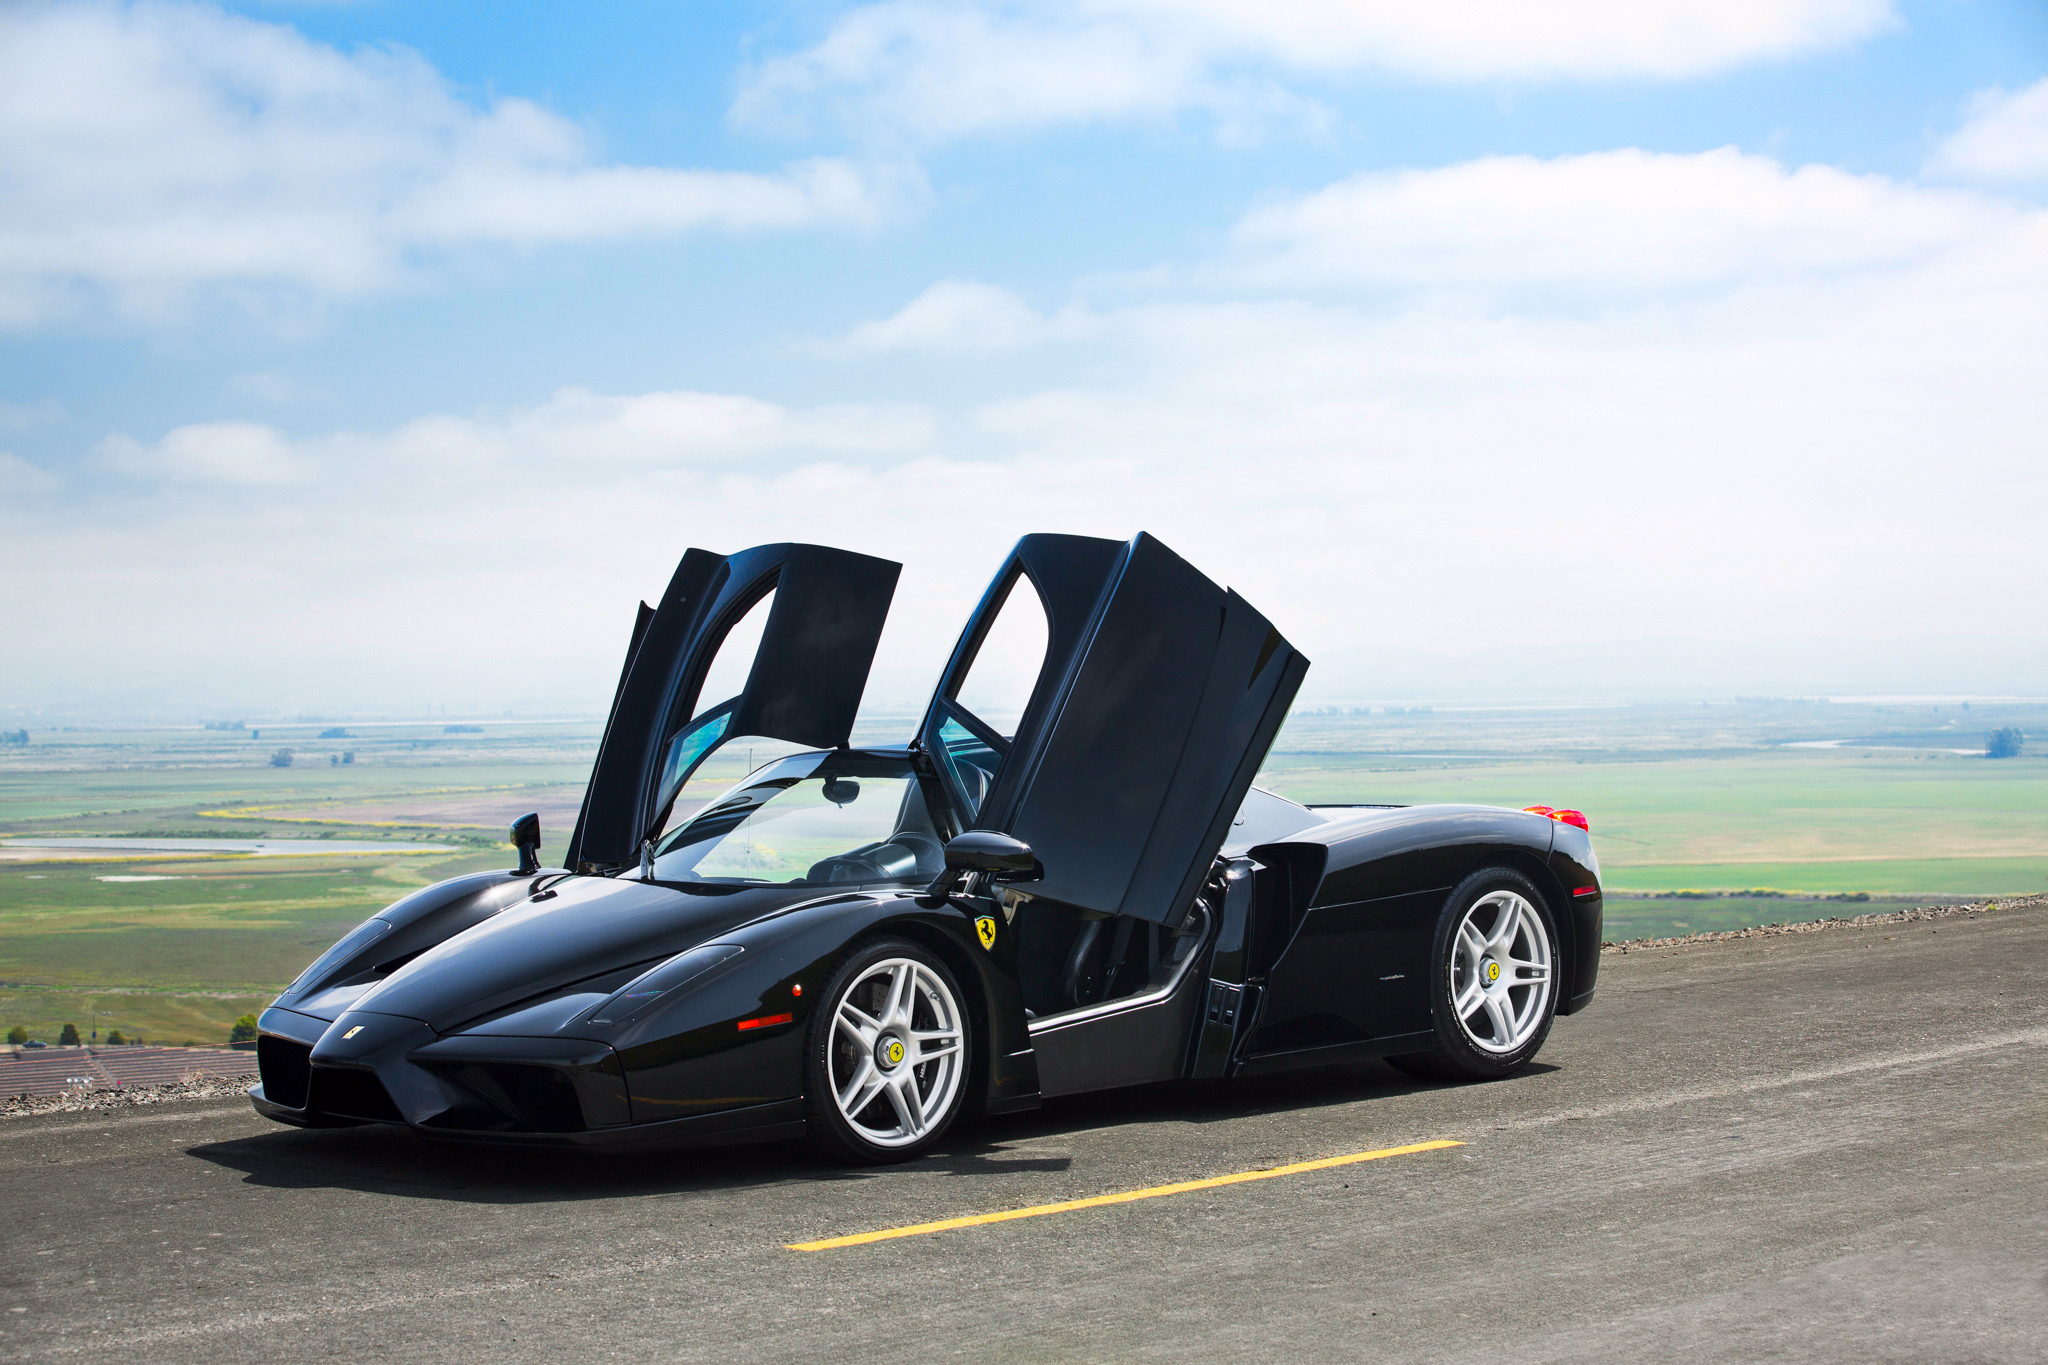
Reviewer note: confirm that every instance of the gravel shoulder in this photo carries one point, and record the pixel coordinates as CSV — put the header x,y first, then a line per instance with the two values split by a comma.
x,y
128,1097
1917,915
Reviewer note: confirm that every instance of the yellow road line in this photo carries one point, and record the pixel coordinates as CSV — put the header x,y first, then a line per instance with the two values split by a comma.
x,y
1127,1197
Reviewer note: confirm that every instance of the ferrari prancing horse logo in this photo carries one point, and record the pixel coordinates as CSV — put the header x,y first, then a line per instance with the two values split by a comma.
x,y
986,927
1493,971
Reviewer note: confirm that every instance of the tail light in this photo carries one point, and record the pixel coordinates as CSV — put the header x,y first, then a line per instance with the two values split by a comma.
x,y
1563,817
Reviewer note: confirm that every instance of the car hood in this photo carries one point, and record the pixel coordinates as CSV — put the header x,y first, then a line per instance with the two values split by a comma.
x,y
575,929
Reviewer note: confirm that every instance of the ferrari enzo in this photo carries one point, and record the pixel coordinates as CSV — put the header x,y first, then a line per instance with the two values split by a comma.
x,y
859,944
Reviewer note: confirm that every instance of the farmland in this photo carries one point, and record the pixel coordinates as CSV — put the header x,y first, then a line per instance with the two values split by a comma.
x,y
1704,801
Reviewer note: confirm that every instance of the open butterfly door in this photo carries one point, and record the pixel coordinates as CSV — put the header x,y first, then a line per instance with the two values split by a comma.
x,y
1157,699
804,683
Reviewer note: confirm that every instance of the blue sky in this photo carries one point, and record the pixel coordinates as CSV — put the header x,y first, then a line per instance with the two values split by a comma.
x,y
330,332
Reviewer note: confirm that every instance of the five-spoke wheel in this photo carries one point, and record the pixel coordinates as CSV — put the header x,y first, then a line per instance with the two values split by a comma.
x,y
1500,972
1493,979
888,1056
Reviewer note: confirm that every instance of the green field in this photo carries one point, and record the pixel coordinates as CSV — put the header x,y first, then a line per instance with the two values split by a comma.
x,y
218,922
188,1018
217,937
1792,820
1680,798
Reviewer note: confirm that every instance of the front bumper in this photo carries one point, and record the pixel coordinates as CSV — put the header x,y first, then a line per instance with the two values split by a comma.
x,y
778,1121
549,1092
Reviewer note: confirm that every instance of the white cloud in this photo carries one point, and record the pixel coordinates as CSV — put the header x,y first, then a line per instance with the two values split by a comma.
x,y
1814,410
1488,39
384,562
226,454
2004,139
148,150
21,480
1610,221
958,316
930,72
666,434
577,433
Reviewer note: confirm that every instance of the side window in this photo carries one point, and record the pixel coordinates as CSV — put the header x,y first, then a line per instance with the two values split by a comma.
x,y
727,676
688,749
705,759
999,681
981,712
724,680
970,763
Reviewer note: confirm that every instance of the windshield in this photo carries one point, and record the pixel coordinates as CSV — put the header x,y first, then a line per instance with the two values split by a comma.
x,y
811,819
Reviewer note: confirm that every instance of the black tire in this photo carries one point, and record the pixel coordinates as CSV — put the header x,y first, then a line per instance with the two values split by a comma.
x,y
1457,1056
831,1132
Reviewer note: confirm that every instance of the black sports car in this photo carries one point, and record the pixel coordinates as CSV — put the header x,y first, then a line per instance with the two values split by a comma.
x,y
859,944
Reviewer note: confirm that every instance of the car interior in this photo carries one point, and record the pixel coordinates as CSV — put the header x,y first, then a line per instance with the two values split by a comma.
x,y
1070,959
912,852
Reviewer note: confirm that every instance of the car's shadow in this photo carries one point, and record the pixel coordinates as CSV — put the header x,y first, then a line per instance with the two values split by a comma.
x,y
390,1161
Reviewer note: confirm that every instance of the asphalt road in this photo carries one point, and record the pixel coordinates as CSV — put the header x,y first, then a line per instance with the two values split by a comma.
x,y
1824,1147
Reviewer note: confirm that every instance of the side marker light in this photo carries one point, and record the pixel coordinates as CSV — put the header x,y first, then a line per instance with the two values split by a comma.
x,y
1587,891
766,1021
796,989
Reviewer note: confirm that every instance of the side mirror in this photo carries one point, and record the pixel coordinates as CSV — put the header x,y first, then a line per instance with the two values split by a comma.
x,y
981,850
997,856
525,837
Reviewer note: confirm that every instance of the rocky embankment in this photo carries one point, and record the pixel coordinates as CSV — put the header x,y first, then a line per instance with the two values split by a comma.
x,y
127,1097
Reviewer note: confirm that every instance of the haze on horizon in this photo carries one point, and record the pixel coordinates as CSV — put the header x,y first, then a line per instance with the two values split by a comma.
x,y
363,359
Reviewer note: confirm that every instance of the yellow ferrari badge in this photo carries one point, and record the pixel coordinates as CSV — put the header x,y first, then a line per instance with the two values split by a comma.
x,y
986,927
1493,971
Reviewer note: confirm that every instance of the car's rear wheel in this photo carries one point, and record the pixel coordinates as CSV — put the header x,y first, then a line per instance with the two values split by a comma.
x,y
885,1067
1493,979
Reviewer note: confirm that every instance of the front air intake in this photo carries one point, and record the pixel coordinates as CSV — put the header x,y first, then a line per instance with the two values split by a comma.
x,y
347,1093
507,1097
285,1068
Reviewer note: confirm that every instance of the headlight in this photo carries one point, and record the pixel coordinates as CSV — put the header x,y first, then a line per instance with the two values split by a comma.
x,y
357,939
633,999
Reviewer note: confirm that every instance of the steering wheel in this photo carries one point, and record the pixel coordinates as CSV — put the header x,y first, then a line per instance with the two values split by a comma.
x,y
896,860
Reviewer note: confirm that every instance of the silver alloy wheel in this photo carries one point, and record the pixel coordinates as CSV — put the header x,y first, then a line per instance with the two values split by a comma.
x,y
895,1061
1500,972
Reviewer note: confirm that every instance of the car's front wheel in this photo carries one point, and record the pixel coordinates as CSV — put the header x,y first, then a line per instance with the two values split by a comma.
x,y
885,1068
1493,986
